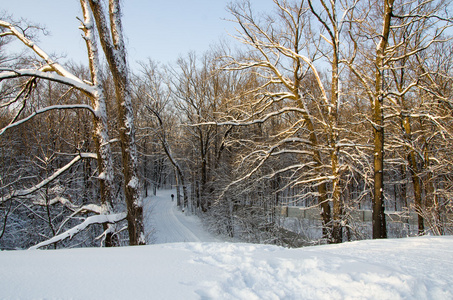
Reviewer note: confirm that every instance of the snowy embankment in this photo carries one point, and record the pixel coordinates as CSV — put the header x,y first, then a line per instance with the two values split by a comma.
x,y
411,268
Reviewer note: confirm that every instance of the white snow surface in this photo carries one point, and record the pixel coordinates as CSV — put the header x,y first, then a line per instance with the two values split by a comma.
x,y
170,224
410,268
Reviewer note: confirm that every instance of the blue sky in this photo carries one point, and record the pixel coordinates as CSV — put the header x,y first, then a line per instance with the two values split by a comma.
x,y
160,30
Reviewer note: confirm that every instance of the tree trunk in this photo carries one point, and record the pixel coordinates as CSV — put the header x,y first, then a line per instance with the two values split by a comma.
x,y
337,232
379,222
178,189
414,172
327,224
185,194
100,128
115,52
337,228
432,207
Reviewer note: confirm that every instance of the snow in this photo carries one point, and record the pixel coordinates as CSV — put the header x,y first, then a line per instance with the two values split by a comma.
x,y
96,219
410,268
133,183
76,83
170,225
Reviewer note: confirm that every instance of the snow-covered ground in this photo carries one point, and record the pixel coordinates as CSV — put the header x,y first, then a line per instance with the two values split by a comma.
x,y
169,224
411,268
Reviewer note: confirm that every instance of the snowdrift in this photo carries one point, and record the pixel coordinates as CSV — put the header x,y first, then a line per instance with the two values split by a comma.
x,y
411,268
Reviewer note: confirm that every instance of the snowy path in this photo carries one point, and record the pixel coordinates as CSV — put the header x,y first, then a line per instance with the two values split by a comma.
x,y
171,225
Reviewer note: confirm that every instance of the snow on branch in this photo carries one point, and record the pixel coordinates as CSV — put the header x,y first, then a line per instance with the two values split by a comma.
x,y
46,109
256,121
82,86
64,201
96,209
67,203
52,64
97,219
56,174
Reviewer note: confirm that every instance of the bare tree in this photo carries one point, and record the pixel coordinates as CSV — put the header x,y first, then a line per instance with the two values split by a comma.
x,y
155,97
198,90
98,110
406,29
98,102
292,85
112,42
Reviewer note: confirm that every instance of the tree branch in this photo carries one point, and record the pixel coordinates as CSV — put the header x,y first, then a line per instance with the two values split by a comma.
x,y
97,219
46,109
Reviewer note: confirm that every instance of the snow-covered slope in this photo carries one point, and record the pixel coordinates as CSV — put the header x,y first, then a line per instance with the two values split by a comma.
x,y
412,268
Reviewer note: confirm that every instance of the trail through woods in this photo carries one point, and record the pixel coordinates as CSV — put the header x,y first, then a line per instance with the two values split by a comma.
x,y
167,224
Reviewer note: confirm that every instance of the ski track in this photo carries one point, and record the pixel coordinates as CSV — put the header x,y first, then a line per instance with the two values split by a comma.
x,y
169,225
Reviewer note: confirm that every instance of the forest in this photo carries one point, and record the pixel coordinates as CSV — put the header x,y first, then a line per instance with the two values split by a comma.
x,y
335,107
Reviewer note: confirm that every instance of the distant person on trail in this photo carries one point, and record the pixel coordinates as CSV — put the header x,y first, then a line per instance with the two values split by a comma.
x,y
172,197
